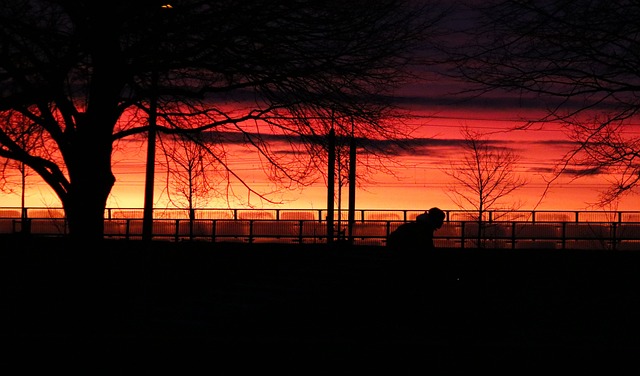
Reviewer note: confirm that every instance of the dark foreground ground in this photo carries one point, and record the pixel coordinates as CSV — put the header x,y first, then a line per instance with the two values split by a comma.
x,y
134,308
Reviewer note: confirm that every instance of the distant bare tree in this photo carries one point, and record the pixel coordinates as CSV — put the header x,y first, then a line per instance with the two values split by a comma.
x,y
190,173
579,58
483,178
26,136
88,76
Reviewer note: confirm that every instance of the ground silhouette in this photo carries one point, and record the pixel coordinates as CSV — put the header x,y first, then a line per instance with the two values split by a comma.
x,y
274,305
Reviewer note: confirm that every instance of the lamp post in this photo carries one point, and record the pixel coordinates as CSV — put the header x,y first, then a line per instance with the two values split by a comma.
x,y
331,183
352,184
147,219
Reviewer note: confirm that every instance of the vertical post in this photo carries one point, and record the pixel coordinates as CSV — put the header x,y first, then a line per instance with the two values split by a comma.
x,y
147,221
331,183
339,198
352,185
23,184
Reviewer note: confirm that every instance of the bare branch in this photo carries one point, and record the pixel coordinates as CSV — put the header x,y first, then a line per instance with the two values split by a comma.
x,y
580,60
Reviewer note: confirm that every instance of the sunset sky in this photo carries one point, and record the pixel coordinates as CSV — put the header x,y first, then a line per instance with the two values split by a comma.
x,y
419,182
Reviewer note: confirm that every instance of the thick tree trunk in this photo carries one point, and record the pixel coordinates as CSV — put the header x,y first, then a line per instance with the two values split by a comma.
x,y
88,156
85,215
91,179
87,201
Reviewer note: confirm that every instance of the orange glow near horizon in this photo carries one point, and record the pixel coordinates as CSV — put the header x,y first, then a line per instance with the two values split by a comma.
x,y
419,182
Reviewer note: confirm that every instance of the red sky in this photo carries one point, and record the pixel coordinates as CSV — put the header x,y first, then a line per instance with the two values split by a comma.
x,y
419,183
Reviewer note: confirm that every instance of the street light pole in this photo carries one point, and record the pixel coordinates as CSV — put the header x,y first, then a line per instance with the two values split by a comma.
x,y
147,221
331,183
352,183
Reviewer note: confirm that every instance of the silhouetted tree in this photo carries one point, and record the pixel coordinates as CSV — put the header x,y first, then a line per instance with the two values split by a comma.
x,y
191,173
87,76
192,176
483,177
578,58
26,137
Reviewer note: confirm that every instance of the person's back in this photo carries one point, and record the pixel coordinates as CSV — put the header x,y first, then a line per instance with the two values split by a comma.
x,y
418,234
411,236
405,236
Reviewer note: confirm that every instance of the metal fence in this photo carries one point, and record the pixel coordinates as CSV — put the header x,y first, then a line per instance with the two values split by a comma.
x,y
615,230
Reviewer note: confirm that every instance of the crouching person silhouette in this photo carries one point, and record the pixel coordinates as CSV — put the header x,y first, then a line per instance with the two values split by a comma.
x,y
417,234
413,274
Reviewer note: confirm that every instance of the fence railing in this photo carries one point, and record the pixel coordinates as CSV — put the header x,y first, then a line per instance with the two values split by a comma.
x,y
321,214
512,229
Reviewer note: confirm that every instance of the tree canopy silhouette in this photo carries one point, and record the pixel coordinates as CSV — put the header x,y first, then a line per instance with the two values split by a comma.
x,y
579,59
84,75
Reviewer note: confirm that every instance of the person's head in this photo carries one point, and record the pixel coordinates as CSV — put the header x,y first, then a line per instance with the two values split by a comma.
x,y
436,217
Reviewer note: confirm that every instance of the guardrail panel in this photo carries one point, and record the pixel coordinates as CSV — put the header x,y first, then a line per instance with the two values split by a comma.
x,y
50,226
587,231
537,231
628,231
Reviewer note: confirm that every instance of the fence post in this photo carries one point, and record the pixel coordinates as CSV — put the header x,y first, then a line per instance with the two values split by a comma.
x,y
300,228
127,230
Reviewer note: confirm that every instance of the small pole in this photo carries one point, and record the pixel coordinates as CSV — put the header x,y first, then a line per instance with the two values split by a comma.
x,y
352,184
331,183
147,220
